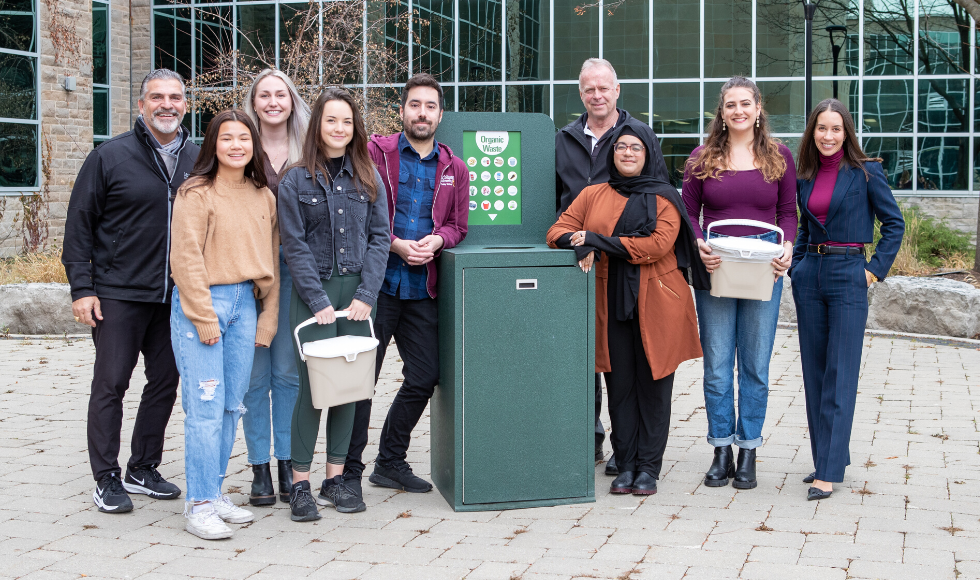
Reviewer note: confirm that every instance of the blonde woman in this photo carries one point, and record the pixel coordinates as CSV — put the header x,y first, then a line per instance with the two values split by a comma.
x,y
281,117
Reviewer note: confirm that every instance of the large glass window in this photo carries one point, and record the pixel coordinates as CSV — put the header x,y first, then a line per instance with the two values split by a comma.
x,y
101,107
626,39
676,39
902,67
727,38
19,125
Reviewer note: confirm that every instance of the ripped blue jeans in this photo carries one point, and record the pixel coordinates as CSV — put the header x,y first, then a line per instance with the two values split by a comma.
x,y
213,382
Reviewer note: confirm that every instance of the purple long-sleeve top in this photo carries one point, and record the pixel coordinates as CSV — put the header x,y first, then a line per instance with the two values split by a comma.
x,y
743,195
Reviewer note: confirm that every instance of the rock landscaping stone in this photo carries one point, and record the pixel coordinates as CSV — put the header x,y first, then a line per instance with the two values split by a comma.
x,y
925,306
915,305
37,309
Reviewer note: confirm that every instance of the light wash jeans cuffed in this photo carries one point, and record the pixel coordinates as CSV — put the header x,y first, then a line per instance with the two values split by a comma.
x,y
744,329
213,382
274,376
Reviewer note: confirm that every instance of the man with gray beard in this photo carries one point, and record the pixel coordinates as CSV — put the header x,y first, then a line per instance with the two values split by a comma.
x,y
117,257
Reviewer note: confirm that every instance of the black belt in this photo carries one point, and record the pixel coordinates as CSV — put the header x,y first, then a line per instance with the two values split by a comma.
x,y
825,249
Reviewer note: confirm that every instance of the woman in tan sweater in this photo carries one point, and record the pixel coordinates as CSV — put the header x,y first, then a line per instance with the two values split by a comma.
x,y
224,256
645,319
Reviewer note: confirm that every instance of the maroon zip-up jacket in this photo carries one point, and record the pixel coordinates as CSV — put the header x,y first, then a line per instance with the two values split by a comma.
x,y
450,200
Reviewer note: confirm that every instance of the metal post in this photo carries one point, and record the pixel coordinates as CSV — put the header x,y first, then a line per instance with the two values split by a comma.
x,y
809,9
835,48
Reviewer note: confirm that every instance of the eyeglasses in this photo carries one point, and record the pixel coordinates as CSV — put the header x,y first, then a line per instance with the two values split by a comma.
x,y
622,147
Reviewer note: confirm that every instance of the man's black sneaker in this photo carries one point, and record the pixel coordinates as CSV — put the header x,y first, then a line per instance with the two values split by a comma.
x,y
353,480
399,476
148,481
339,494
302,507
110,496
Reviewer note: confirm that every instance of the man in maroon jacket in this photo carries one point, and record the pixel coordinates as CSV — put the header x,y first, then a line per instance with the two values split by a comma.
x,y
428,200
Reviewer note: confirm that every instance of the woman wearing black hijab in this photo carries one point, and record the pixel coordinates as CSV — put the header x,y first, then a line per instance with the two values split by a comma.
x,y
646,325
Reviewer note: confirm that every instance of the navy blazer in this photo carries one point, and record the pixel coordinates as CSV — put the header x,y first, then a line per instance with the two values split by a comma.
x,y
855,204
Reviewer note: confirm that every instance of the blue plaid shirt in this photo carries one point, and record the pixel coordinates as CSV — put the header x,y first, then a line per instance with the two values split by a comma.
x,y
413,218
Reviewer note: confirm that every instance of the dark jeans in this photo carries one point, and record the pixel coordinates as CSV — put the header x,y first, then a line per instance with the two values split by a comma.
x,y
128,329
415,326
639,405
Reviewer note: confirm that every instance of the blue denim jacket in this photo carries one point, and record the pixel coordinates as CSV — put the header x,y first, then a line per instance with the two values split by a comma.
x,y
318,224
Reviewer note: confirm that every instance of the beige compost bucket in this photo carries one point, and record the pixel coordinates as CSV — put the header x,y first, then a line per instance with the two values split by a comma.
x,y
342,368
746,269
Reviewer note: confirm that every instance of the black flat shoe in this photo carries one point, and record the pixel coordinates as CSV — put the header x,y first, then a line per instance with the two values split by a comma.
x,y
611,468
644,484
817,493
285,467
722,467
745,470
810,478
262,492
623,483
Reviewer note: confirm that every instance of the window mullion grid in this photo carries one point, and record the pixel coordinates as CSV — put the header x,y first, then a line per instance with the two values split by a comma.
x,y
456,54
915,98
701,77
551,57
503,55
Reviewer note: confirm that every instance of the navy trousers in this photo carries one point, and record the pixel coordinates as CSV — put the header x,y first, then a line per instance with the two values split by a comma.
x,y
831,295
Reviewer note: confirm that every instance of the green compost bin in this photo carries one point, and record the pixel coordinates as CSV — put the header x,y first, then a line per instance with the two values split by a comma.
x,y
512,420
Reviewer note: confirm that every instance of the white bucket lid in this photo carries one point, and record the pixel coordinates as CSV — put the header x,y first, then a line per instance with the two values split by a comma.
x,y
745,249
346,346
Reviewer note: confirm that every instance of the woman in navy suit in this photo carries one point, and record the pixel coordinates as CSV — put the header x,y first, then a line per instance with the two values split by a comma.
x,y
840,192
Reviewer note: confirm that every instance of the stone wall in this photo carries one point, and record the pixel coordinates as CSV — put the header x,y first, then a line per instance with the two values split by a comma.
x,y
959,212
66,116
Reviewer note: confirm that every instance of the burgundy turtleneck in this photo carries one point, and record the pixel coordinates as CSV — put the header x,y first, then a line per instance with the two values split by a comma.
x,y
823,185
823,190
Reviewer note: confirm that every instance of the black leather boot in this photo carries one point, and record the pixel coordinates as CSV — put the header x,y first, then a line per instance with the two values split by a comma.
x,y
285,478
623,483
262,491
722,468
745,470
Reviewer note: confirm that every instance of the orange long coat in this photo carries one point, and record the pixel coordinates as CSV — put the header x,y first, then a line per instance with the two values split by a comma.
x,y
668,320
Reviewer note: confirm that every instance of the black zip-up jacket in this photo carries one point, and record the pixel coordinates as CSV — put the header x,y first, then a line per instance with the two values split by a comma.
x,y
117,231
577,166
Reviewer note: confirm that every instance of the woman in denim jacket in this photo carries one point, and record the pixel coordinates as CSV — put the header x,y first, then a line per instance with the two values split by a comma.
x,y
335,236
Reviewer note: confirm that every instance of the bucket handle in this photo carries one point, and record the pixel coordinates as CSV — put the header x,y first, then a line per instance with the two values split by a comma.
x,y
752,223
305,323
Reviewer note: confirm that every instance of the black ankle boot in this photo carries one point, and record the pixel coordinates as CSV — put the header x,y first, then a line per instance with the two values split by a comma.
x,y
285,478
262,491
745,470
722,467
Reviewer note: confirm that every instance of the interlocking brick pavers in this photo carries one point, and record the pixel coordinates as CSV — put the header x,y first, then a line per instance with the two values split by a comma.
x,y
909,507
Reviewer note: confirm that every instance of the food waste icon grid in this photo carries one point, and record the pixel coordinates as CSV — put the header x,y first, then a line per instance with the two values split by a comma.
x,y
494,161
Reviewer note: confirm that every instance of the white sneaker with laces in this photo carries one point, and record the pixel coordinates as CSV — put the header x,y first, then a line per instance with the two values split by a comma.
x,y
230,512
206,524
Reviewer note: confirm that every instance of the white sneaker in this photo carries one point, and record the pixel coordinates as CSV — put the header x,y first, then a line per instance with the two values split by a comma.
x,y
205,524
230,512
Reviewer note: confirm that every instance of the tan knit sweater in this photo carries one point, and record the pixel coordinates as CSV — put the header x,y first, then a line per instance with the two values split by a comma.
x,y
225,234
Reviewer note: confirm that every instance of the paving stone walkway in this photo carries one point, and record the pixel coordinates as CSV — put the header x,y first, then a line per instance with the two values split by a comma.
x,y
909,508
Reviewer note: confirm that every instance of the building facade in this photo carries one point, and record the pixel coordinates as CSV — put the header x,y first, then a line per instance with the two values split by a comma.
x,y
907,70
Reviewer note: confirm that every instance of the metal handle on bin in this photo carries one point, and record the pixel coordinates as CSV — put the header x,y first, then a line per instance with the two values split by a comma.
x,y
752,223
309,321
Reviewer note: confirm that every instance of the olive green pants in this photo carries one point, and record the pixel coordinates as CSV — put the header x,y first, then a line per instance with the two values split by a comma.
x,y
306,418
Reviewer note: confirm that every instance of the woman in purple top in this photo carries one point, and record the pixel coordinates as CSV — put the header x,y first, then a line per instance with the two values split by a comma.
x,y
740,172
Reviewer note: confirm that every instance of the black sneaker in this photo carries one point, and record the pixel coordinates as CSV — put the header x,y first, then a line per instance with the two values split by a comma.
x,y
148,481
399,476
301,505
110,496
338,493
353,480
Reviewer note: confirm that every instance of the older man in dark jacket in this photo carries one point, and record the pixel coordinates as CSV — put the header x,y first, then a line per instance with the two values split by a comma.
x,y
117,257
581,153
